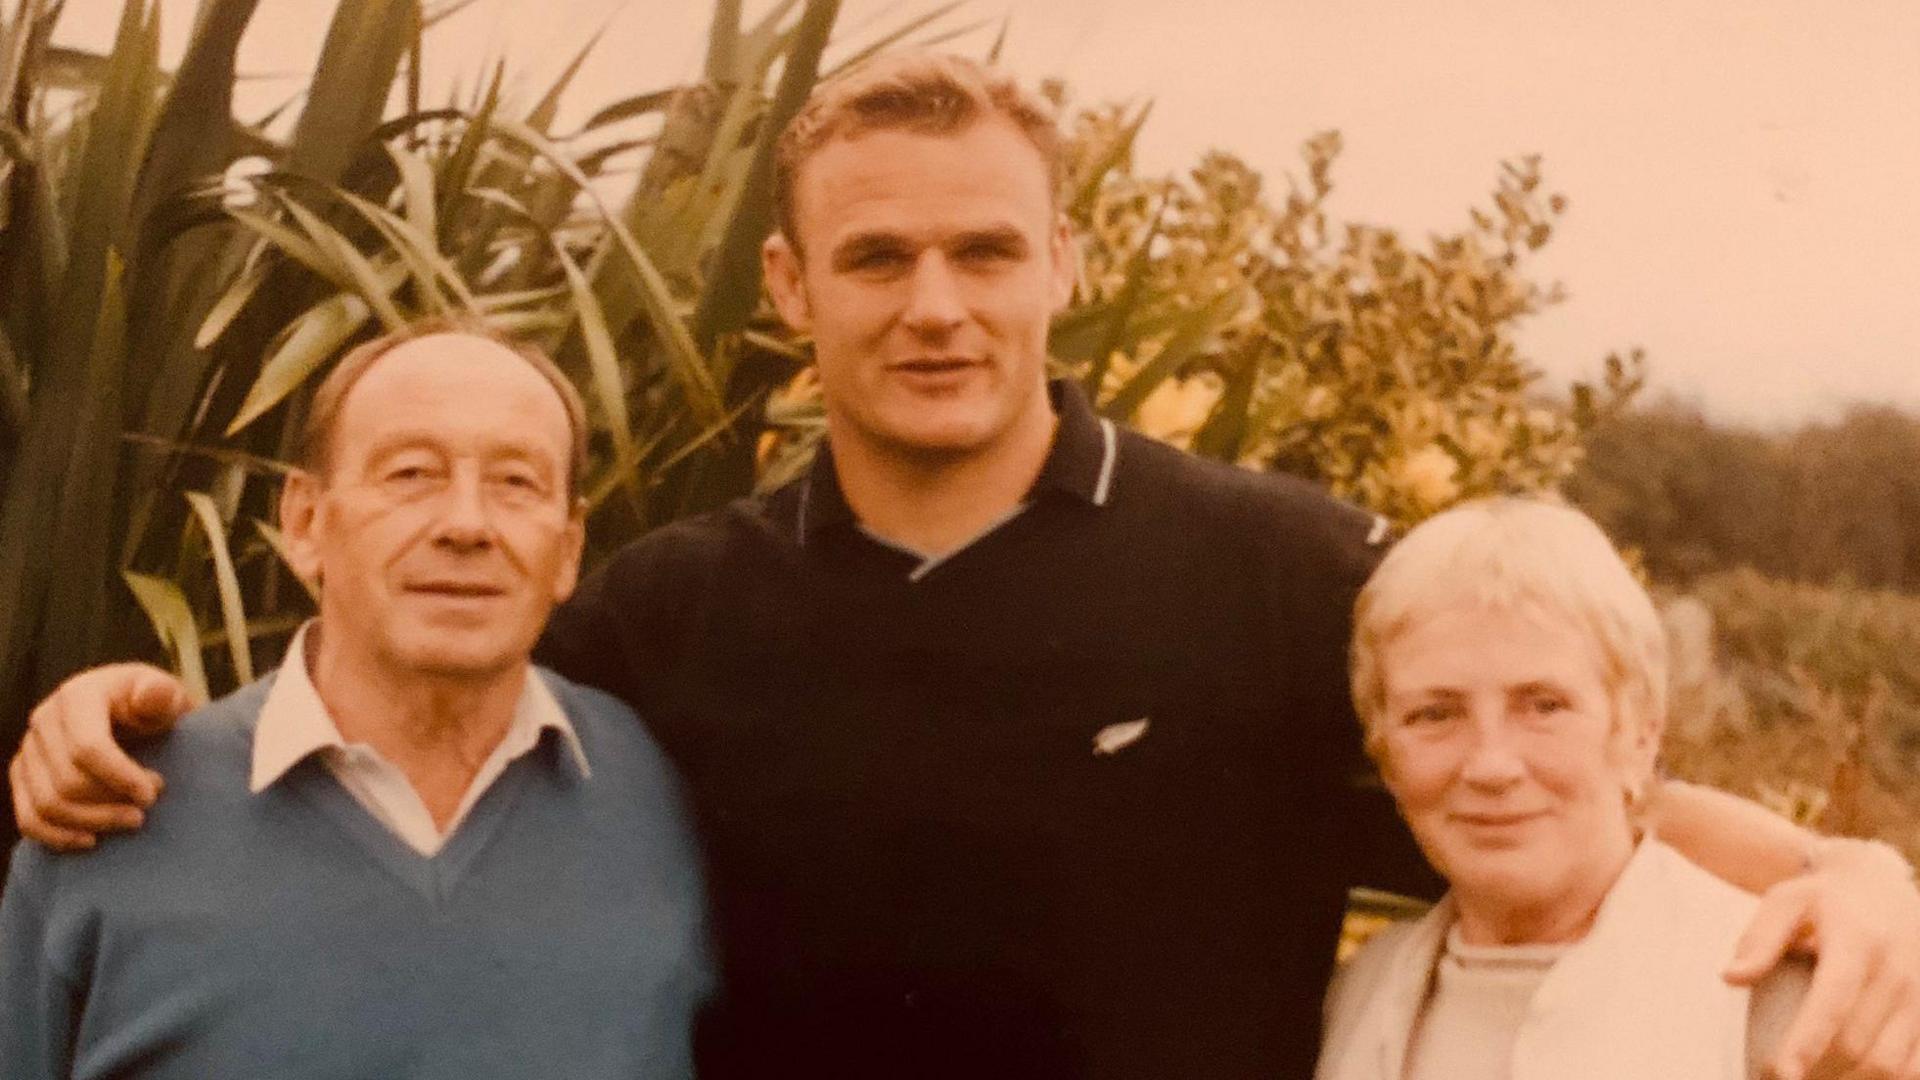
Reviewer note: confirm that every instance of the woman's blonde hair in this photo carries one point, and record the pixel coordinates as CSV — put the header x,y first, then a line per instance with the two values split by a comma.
x,y
1512,554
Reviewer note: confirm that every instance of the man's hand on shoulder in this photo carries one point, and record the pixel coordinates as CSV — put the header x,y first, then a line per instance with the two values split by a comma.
x,y
70,780
1858,912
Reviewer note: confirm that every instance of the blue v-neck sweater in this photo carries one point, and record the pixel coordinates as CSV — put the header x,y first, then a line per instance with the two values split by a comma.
x,y
559,933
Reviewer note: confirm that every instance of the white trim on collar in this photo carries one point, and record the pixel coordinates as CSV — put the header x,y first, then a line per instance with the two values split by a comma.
x,y
1110,452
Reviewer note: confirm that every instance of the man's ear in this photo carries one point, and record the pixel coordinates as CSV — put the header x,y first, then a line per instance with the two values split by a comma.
x,y
300,524
780,265
1066,263
576,543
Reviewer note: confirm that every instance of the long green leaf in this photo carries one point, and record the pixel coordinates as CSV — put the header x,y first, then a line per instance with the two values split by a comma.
x,y
530,323
1139,268
291,244
1225,431
278,542
540,117
602,361
14,45
313,337
760,45
358,63
629,108
1000,39
684,357
171,617
622,468
280,626
221,314
56,476
503,301
253,463
232,613
192,135
1109,159
735,289
358,271
417,191
1182,346
81,564
723,41
898,34
427,266
447,9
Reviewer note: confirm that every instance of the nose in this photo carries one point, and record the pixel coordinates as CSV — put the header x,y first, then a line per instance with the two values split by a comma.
x,y
463,523
934,305
1493,759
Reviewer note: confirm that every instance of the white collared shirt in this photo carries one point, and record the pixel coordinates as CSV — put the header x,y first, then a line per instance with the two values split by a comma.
x,y
294,723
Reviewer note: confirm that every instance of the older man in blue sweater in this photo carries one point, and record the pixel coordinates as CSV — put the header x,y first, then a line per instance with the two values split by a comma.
x,y
409,852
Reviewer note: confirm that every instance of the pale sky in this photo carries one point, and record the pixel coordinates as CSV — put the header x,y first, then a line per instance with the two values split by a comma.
x,y
1742,173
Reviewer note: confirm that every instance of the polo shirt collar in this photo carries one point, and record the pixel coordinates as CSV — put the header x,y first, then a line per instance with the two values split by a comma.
x,y
1086,447
1079,464
294,723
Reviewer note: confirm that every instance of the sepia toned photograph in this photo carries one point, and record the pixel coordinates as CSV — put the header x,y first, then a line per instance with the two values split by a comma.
x,y
857,539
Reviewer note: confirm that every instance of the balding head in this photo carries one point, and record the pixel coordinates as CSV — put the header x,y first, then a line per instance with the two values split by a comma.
x,y
313,450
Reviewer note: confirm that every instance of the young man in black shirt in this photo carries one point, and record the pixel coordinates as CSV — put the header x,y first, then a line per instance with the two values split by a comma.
x,y
1019,744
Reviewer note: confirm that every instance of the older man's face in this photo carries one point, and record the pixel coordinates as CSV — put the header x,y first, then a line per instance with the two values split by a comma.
x,y
443,533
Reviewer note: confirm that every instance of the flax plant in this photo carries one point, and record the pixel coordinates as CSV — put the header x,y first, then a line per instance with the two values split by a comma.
x,y
173,277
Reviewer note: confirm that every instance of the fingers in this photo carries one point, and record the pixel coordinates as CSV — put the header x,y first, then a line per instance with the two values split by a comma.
x,y
1893,1052
1838,977
69,798
32,825
1892,1055
152,701
70,781
1778,924
1877,1038
77,720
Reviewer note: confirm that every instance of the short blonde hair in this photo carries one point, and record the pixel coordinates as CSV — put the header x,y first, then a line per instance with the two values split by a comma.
x,y
313,447
922,92
1507,554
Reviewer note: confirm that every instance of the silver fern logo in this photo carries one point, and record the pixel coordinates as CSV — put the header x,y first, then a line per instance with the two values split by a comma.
x,y
1114,738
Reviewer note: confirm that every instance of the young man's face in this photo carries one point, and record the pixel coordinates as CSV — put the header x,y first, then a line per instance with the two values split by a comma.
x,y
932,265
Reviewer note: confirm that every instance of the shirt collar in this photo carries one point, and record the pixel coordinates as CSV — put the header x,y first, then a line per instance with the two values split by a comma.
x,y
1080,463
294,723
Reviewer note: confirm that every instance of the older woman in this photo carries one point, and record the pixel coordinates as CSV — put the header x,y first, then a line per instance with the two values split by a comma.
x,y
1510,674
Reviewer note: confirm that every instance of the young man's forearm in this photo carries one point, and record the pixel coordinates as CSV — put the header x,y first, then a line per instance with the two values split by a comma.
x,y
1744,843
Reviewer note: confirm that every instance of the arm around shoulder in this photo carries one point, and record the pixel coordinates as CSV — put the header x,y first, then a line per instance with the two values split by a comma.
x,y
1735,839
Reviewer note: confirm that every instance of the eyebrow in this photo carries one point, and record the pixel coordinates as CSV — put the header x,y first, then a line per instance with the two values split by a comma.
x,y
1429,693
518,450
860,245
856,247
999,235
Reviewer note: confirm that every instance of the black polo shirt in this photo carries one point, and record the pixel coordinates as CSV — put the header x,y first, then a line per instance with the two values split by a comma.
x,y
1077,800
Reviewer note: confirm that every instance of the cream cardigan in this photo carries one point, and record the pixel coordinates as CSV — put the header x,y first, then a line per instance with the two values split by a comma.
x,y
1640,998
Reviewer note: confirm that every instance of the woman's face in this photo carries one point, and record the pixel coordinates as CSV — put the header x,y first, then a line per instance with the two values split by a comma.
x,y
1497,742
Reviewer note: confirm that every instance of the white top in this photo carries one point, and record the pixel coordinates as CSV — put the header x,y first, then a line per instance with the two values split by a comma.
x,y
1476,1008
294,723
1639,998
